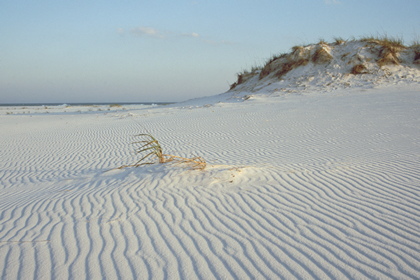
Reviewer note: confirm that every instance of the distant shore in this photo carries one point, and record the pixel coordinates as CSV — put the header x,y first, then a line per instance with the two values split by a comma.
x,y
81,104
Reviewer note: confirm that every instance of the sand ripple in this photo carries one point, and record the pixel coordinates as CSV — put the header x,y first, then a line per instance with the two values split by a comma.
x,y
285,196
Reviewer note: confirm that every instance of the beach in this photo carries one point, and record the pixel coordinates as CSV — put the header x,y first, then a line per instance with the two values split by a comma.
x,y
297,186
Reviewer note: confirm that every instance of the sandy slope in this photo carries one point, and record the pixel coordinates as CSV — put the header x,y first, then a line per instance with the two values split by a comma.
x,y
299,187
323,67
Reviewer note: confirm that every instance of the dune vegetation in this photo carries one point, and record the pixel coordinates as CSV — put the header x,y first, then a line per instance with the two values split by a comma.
x,y
383,51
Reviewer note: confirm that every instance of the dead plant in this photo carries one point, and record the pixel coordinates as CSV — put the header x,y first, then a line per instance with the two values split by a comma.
x,y
385,41
151,149
322,42
339,41
389,56
268,67
285,68
321,55
265,71
389,49
290,65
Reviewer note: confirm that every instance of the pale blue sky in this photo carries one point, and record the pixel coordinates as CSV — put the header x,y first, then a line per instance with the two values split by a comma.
x,y
123,50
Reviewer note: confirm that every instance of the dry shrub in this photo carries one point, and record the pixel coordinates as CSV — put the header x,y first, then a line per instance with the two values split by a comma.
x,y
269,66
389,49
285,68
300,62
232,86
339,41
300,56
385,42
298,50
276,57
321,55
299,53
286,62
359,69
265,71
289,66
388,56
322,42
242,77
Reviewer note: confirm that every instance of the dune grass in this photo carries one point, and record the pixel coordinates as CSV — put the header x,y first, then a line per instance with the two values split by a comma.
x,y
388,53
151,147
152,153
385,41
321,54
339,41
390,47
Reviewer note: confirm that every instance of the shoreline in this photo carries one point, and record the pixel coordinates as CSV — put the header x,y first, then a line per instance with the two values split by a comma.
x,y
39,104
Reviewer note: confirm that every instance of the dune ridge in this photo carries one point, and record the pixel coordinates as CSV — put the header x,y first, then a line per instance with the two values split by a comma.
x,y
325,67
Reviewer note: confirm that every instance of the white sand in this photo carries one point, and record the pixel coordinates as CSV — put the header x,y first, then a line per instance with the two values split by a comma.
x,y
319,186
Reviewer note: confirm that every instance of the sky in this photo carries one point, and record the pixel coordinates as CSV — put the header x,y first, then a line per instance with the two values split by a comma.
x,y
156,51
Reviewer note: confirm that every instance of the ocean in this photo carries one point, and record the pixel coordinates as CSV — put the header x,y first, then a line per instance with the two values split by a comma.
x,y
83,104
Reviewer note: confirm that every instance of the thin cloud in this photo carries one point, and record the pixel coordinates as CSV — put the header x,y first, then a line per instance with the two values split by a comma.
x,y
198,37
120,31
332,2
191,35
147,31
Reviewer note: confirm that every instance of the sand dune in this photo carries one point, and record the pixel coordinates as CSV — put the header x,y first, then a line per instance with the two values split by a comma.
x,y
300,187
